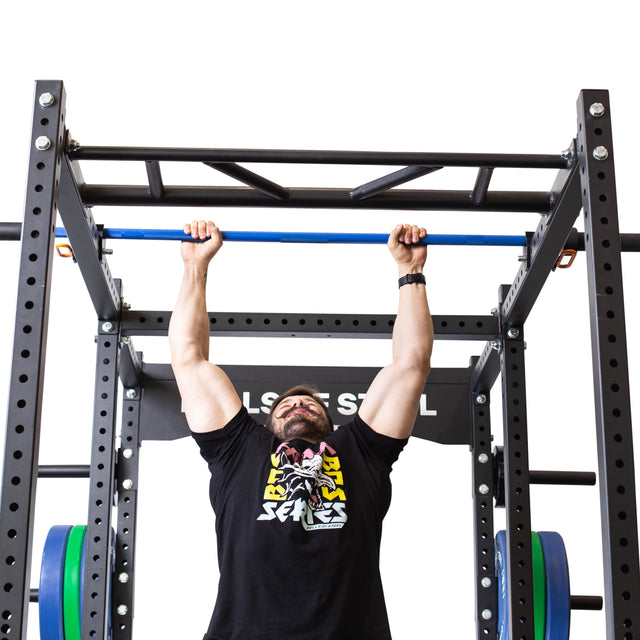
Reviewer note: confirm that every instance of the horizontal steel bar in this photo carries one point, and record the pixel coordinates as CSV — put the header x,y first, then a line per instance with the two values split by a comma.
x,y
10,230
586,603
359,326
307,237
577,478
63,471
308,198
522,161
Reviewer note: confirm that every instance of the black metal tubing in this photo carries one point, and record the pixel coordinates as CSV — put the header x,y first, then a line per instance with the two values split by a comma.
x,y
516,161
22,442
394,179
252,179
611,375
154,175
586,603
63,471
303,198
572,478
84,237
127,482
481,186
485,568
10,230
311,325
130,364
518,506
629,242
545,247
98,565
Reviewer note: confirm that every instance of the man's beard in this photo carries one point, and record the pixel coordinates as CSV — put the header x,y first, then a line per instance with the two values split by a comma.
x,y
301,425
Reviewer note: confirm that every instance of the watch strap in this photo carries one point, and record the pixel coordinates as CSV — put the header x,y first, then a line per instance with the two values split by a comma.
x,y
412,278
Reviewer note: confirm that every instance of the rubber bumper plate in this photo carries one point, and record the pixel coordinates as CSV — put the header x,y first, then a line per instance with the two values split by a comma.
x,y
558,588
51,589
73,570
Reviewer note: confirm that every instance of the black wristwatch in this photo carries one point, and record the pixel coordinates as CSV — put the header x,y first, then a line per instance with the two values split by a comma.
x,y
411,278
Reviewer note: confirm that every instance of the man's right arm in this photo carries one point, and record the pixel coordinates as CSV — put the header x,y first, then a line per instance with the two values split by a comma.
x,y
209,399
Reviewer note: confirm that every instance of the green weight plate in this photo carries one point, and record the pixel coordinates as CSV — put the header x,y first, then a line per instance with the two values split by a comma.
x,y
539,588
72,572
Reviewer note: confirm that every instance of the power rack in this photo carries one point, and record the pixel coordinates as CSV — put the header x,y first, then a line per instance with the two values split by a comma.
x,y
585,181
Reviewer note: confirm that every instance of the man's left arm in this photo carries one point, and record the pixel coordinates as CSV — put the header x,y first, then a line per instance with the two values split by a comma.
x,y
391,404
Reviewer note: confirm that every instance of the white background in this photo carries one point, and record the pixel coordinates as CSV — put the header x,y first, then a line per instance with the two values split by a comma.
x,y
402,76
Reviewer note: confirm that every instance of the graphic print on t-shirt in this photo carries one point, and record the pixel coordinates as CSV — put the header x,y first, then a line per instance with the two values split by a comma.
x,y
305,487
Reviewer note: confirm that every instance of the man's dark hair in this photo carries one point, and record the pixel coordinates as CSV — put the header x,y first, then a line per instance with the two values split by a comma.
x,y
300,390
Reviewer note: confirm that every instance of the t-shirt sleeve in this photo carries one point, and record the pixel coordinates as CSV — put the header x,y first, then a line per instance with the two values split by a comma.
x,y
221,445
384,448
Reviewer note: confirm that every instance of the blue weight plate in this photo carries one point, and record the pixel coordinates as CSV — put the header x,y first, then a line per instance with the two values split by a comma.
x,y
51,589
502,573
558,589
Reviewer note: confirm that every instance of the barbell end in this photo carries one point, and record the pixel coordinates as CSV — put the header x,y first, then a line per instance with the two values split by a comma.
x,y
586,603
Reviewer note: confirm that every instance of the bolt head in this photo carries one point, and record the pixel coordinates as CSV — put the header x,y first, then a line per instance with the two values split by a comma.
x,y
601,153
127,453
495,344
567,154
483,489
124,578
495,311
127,484
597,110
483,458
107,327
43,143
122,609
46,99
486,614
481,398
73,145
513,332
131,394
485,582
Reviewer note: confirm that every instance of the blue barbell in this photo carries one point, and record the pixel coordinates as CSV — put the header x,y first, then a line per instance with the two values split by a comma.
x,y
308,237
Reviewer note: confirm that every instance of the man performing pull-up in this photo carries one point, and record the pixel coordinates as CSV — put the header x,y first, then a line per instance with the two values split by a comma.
x,y
299,506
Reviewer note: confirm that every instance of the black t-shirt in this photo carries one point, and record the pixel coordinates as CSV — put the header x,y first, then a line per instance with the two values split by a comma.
x,y
298,529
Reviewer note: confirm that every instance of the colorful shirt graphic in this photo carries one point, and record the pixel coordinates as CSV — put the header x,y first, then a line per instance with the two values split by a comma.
x,y
305,487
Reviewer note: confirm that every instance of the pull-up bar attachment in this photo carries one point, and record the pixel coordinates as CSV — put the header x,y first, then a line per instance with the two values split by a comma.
x,y
307,237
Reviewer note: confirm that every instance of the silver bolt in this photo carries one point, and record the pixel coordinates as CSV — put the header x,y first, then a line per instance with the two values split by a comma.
x,y
125,339
127,453
127,484
124,578
43,143
523,258
131,394
495,311
567,154
107,327
481,399
107,252
513,332
601,153
485,582
486,614
122,609
126,306
483,458
495,344
46,99
73,145
483,489
597,109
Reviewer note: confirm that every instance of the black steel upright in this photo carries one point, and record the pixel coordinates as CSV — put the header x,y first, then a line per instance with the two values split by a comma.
x,y
29,350
611,375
